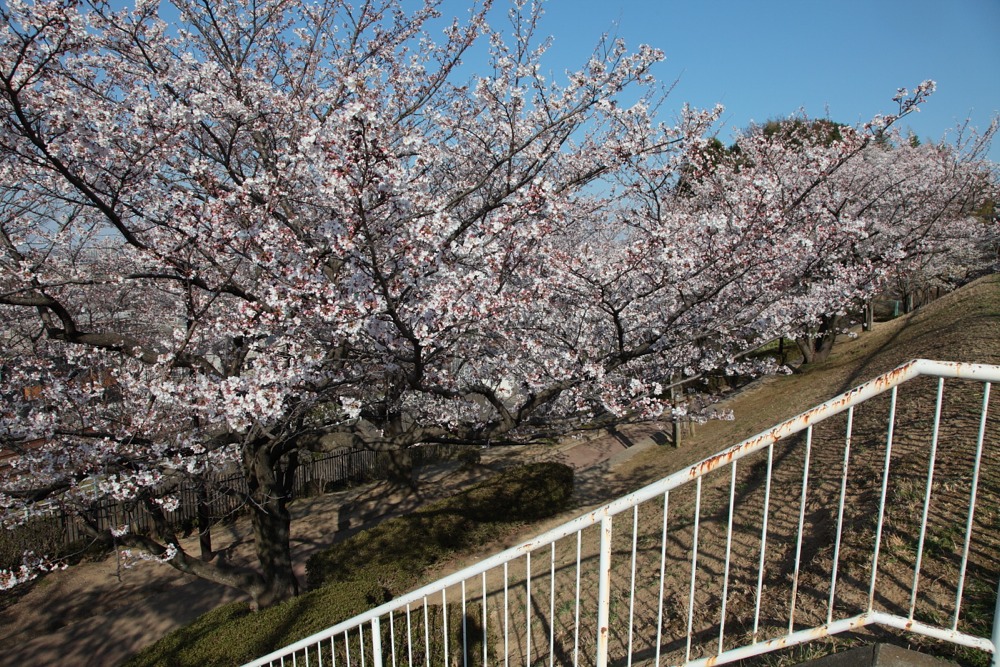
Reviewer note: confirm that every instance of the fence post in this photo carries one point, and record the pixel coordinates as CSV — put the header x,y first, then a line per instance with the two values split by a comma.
x,y
675,393
604,593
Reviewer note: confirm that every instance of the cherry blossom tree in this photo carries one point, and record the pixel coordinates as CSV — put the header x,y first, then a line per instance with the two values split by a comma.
x,y
281,227
933,196
284,227
852,209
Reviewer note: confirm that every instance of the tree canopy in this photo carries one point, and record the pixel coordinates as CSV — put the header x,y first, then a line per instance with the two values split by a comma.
x,y
284,227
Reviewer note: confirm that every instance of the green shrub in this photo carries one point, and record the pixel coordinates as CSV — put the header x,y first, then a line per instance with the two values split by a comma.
x,y
371,567
407,545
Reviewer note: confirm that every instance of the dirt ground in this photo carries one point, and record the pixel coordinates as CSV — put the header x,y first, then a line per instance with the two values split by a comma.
x,y
100,613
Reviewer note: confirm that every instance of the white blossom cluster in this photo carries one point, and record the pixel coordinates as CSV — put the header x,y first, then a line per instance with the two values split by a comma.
x,y
214,264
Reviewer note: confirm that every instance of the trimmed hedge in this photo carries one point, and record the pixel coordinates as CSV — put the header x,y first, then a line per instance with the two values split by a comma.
x,y
371,567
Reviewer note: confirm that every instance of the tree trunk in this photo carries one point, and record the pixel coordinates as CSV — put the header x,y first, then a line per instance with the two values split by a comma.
x,y
270,492
204,524
272,533
401,469
817,346
805,345
869,317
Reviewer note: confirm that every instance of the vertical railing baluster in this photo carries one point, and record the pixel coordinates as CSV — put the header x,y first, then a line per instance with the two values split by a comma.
x,y
972,506
881,508
409,637
392,638
465,630
840,514
663,569
927,499
763,543
552,605
729,550
802,518
376,642
506,621
576,613
527,607
427,635
486,643
604,593
694,566
444,614
631,600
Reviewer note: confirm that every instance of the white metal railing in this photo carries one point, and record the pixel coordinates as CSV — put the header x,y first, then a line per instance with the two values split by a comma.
x,y
858,512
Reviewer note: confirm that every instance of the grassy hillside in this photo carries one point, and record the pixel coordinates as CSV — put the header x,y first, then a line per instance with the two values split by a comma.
x,y
962,326
368,569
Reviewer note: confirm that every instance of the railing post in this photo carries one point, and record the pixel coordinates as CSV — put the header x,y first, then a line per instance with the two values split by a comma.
x,y
376,643
604,593
995,660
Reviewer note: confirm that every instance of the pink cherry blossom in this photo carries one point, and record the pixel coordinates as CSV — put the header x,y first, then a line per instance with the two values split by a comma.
x,y
285,227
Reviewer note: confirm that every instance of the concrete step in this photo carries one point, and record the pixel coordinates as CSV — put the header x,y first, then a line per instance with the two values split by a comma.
x,y
879,655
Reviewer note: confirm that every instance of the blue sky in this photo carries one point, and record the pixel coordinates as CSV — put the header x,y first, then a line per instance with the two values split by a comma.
x,y
766,59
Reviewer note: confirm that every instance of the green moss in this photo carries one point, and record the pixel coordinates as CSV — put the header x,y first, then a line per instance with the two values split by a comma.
x,y
370,568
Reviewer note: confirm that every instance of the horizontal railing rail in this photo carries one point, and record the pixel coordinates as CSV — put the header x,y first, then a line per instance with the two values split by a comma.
x,y
859,512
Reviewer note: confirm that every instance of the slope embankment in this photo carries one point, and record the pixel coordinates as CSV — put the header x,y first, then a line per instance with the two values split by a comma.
x,y
97,613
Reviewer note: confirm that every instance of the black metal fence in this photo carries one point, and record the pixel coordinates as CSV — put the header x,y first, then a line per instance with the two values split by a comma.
x,y
201,503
